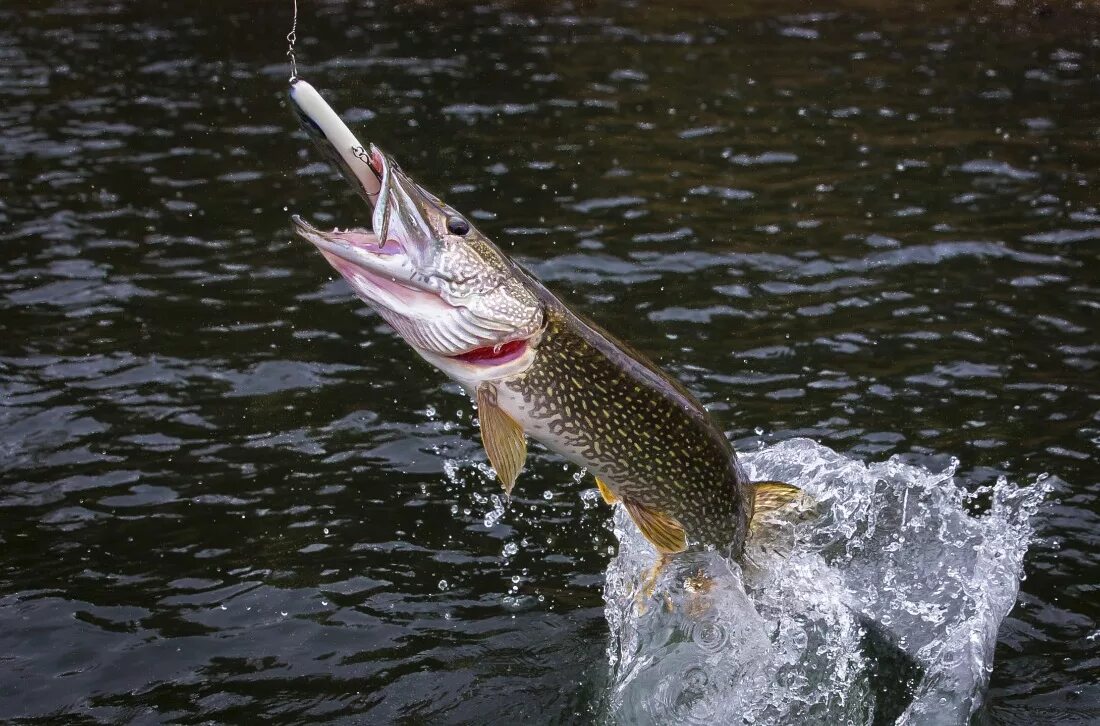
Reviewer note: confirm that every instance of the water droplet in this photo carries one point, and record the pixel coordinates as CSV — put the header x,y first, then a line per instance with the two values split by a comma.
x,y
443,585
491,518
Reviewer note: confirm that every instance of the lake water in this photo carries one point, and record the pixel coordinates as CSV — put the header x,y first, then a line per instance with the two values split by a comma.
x,y
867,238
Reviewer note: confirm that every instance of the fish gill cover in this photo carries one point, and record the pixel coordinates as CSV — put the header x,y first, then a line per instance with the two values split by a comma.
x,y
882,608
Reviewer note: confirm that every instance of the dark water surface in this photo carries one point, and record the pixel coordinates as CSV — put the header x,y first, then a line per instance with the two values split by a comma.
x,y
227,494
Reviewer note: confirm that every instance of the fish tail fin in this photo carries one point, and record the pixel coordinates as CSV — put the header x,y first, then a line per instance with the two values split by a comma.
x,y
776,506
771,496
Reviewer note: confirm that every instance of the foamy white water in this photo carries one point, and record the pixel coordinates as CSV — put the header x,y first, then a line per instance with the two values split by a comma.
x,y
881,608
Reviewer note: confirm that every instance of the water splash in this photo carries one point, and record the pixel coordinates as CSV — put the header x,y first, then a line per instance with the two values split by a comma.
x,y
882,608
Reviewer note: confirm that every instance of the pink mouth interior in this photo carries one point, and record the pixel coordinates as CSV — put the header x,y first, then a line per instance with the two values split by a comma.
x,y
375,163
358,276
368,241
494,354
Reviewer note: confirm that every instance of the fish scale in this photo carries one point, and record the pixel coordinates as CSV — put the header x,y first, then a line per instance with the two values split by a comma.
x,y
632,426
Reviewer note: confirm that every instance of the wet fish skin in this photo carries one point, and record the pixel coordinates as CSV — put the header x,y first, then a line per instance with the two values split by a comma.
x,y
607,407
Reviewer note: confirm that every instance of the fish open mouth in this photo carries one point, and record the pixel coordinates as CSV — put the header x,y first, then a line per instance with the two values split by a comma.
x,y
378,273
395,266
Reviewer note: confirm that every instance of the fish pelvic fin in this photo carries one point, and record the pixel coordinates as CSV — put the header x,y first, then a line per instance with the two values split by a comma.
x,y
662,531
502,437
609,496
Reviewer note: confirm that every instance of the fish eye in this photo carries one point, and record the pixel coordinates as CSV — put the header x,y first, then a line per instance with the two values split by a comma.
x,y
457,225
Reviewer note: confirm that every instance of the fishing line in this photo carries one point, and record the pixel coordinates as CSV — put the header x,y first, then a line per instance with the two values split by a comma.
x,y
291,39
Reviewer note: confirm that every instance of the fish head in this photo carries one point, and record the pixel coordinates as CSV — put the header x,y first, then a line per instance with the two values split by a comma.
x,y
447,290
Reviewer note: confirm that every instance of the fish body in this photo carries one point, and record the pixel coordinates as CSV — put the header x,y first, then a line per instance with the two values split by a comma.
x,y
590,398
534,366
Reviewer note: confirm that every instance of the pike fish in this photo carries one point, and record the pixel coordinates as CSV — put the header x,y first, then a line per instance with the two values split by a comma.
x,y
535,367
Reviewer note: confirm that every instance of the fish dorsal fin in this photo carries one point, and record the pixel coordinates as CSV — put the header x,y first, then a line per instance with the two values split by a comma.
x,y
662,531
773,495
502,437
608,496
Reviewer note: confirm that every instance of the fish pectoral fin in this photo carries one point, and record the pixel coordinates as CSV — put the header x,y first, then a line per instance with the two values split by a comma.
x,y
662,531
502,437
608,496
771,496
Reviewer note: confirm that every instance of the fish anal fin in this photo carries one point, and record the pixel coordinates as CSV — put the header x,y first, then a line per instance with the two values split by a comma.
x,y
771,496
605,491
502,437
662,531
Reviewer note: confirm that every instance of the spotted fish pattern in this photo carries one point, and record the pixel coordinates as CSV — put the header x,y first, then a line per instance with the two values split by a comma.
x,y
640,432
